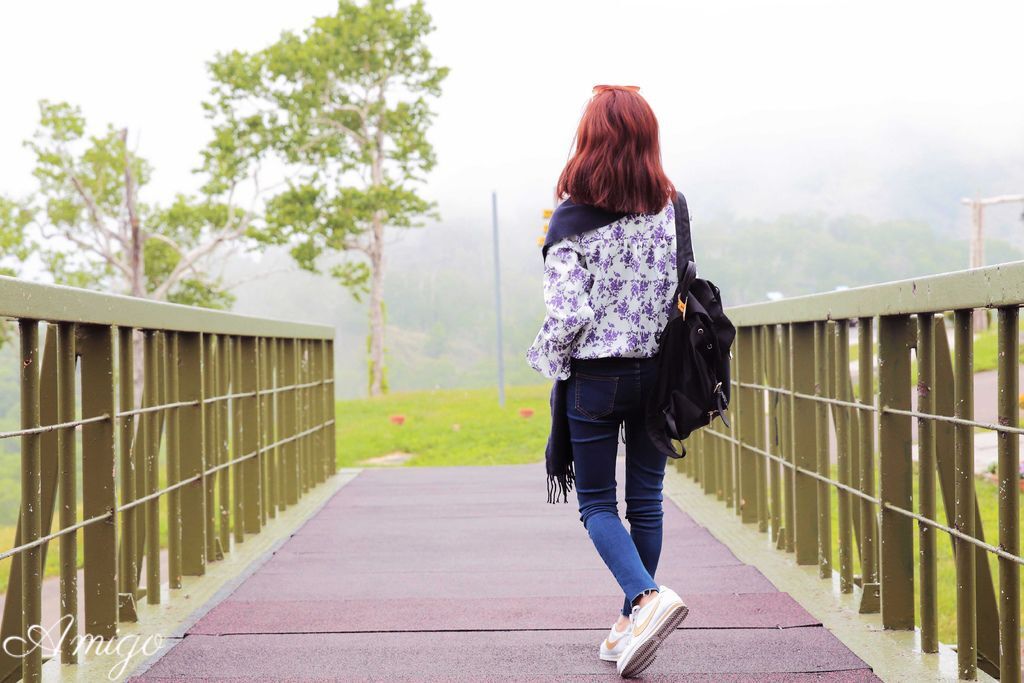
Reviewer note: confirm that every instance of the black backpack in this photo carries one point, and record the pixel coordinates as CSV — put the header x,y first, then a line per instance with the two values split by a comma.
x,y
693,353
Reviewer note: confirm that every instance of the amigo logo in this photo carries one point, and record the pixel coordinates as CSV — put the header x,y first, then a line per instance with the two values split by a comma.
x,y
50,640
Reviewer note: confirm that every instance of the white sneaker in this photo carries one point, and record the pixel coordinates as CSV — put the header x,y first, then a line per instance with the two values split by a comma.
x,y
652,623
615,643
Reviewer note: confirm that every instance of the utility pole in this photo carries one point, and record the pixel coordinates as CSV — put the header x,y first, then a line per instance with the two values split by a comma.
x,y
977,252
497,300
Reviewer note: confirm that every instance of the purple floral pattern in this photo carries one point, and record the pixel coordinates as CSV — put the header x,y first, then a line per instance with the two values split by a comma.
x,y
607,292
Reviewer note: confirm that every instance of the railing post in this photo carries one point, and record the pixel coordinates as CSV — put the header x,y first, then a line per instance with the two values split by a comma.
x,y
291,420
702,461
207,374
222,355
327,409
151,393
718,459
726,447
250,435
841,418
805,495
693,465
316,405
897,540
193,441
987,619
173,453
259,354
774,442
963,392
129,570
870,598
68,494
760,462
786,434
99,585
31,498
823,461
304,417
139,449
853,443
277,348
926,471
747,423
722,455
237,471
269,356
331,412
1009,494
707,447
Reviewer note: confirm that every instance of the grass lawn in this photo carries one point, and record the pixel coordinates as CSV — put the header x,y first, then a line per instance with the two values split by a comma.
x,y
446,427
986,349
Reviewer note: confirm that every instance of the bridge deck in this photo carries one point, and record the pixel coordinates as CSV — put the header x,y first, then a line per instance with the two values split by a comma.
x,y
466,573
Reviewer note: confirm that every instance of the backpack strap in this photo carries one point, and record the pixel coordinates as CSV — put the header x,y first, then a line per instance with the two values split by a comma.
x,y
684,244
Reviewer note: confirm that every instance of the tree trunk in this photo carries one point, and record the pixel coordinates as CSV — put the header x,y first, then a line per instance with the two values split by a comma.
x,y
376,253
377,310
136,265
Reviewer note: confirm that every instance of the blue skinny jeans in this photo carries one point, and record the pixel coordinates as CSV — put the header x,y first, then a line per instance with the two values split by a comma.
x,y
602,395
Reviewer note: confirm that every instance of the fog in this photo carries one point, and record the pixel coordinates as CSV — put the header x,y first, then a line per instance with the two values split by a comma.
x,y
892,111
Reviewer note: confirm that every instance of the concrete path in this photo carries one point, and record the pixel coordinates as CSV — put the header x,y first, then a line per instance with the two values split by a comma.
x,y
465,573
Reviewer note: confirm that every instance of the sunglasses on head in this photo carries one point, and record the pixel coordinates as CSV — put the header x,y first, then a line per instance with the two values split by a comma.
x,y
604,88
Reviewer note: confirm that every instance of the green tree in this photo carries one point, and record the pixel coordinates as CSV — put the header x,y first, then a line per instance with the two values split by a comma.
x,y
345,105
86,223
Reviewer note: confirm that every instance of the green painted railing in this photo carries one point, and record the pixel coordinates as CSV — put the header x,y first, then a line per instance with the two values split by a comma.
x,y
792,370
236,412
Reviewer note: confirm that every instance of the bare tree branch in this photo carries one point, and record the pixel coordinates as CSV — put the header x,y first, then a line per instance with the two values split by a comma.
x,y
163,238
188,260
95,219
107,256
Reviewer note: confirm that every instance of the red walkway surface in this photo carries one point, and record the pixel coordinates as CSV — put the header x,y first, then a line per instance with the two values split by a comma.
x,y
465,573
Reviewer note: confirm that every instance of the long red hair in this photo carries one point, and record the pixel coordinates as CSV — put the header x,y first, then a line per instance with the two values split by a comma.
x,y
617,161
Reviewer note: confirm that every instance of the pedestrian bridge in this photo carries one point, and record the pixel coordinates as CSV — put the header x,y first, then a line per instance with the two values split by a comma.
x,y
181,462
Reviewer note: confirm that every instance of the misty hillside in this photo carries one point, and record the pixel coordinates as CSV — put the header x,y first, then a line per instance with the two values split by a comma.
x,y
440,286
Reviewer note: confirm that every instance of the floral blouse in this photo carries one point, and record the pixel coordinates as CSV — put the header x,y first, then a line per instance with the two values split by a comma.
x,y
608,292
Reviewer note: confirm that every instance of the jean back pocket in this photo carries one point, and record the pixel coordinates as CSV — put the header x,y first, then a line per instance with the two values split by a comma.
x,y
595,395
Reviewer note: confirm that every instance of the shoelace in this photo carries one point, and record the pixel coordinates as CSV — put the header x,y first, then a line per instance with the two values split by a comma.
x,y
636,608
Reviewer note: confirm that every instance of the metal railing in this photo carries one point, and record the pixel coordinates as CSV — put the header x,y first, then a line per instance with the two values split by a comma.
x,y
236,413
784,459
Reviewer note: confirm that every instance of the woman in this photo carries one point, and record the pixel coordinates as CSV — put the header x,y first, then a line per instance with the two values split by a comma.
x,y
609,279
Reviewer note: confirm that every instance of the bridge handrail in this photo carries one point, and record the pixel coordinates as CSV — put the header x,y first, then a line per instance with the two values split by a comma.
x,y
792,377
989,287
236,415
58,303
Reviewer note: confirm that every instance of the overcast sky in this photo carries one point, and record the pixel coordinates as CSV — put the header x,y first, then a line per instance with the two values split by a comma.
x,y
766,107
